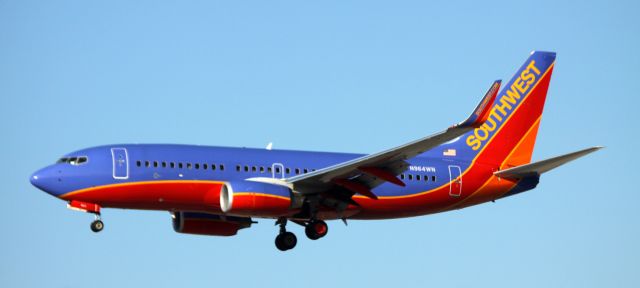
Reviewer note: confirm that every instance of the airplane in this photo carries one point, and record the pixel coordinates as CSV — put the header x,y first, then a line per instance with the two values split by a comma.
x,y
218,191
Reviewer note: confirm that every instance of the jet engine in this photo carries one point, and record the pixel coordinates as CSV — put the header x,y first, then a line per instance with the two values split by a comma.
x,y
249,198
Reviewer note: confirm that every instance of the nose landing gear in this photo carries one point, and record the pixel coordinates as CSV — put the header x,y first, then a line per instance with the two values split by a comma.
x,y
97,225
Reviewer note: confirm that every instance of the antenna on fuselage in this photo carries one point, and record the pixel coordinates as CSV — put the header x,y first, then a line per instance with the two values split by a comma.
x,y
270,145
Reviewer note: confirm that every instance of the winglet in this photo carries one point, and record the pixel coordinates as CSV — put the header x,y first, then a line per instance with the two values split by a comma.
x,y
482,111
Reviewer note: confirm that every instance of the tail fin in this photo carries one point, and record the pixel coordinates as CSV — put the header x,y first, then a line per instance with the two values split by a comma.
x,y
508,135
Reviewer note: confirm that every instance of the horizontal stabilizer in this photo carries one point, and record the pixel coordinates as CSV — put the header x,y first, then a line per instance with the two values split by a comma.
x,y
540,167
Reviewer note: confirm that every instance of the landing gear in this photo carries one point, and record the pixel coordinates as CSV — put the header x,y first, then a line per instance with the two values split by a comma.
x,y
285,240
97,225
316,229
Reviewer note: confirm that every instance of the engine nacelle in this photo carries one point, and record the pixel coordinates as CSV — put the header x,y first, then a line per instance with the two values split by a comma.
x,y
249,198
208,224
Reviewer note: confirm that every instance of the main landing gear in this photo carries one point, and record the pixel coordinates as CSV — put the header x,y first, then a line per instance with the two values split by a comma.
x,y
285,240
314,229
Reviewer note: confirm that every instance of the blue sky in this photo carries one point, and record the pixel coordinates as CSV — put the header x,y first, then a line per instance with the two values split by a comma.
x,y
349,76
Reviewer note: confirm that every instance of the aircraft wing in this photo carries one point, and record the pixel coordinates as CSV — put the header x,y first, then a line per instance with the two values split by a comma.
x,y
362,174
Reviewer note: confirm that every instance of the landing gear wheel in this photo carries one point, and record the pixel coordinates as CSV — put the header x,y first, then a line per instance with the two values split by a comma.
x,y
97,226
286,241
316,229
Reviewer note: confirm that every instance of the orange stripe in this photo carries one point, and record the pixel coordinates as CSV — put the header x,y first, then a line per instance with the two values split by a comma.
x,y
240,194
77,192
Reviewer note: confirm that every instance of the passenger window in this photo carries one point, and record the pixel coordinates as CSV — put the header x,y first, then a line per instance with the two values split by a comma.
x,y
188,165
418,177
306,171
277,169
261,169
205,166
173,165
246,168
213,166
433,178
269,169
238,168
402,176
297,171
164,164
138,163
180,165
221,167
146,164
197,165
287,170
410,176
253,169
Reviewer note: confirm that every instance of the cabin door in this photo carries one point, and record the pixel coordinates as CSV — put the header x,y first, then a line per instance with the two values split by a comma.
x,y
120,160
277,171
455,180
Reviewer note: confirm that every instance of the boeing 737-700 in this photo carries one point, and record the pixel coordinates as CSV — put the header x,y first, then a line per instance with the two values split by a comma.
x,y
220,190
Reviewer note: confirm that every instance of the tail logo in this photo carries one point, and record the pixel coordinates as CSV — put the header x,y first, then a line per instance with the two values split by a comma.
x,y
505,105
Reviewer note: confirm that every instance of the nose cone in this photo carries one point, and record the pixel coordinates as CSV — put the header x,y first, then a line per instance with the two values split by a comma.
x,y
47,180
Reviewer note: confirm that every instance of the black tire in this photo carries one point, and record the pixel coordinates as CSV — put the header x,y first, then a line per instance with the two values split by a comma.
x,y
316,229
97,226
286,241
289,240
279,244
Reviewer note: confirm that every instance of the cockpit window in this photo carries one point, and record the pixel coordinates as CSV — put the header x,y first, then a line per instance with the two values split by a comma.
x,y
75,161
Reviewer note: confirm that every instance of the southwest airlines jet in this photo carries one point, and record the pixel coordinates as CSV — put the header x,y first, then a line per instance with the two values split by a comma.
x,y
219,190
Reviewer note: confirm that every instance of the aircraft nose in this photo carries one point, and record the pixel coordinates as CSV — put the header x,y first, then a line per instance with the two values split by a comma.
x,y
46,180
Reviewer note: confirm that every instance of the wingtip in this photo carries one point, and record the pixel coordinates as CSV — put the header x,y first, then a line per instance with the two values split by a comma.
x,y
481,112
590,149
